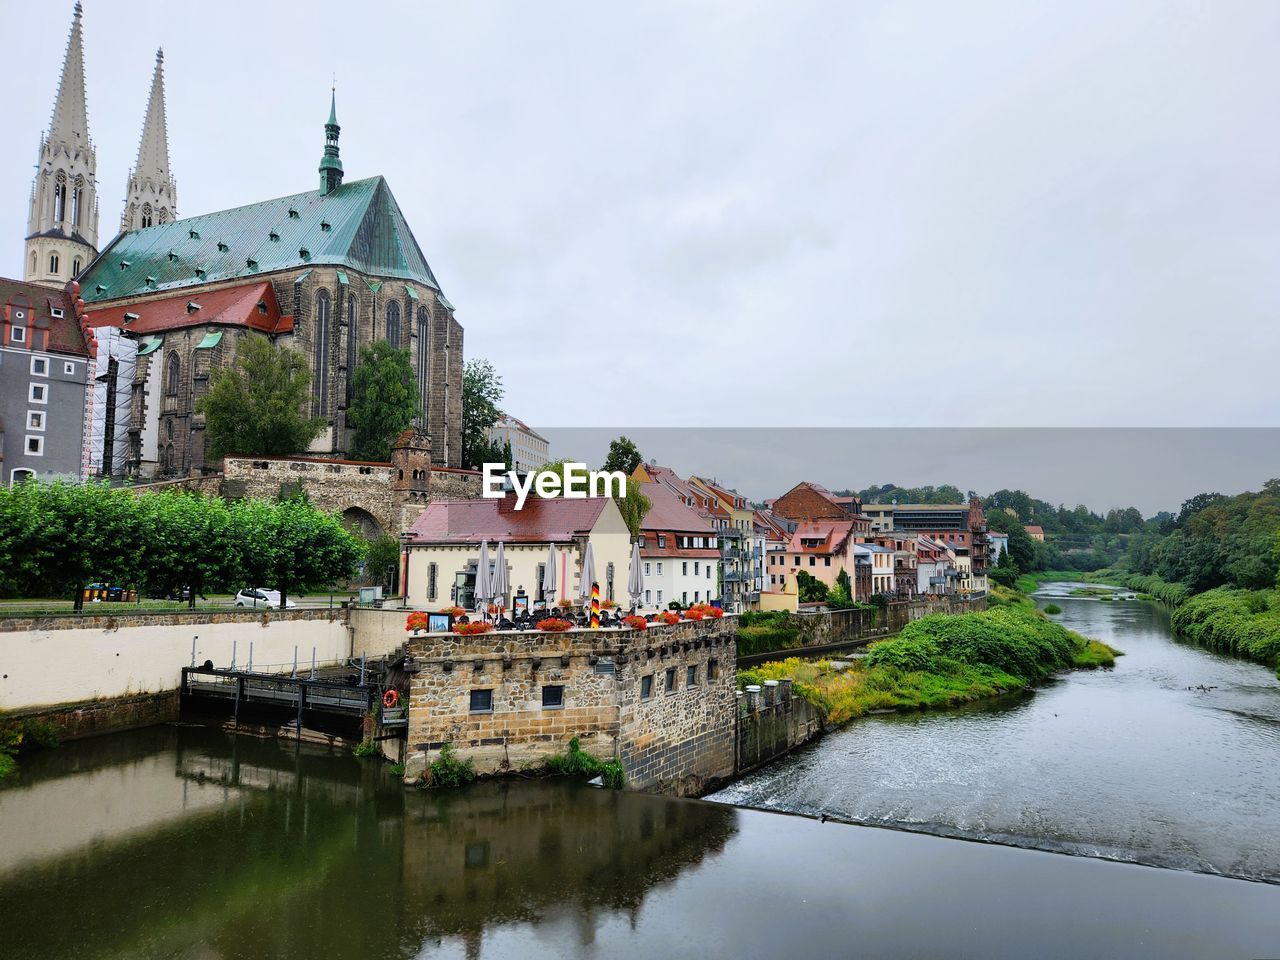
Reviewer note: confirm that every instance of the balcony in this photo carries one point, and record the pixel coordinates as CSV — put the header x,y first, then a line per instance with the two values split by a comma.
x,y
734,576
731,553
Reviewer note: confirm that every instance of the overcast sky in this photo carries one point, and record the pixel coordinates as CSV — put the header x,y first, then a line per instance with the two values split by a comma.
x,y
744,213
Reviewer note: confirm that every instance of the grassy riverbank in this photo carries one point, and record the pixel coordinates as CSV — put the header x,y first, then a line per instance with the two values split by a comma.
x,y
1244,623
941,661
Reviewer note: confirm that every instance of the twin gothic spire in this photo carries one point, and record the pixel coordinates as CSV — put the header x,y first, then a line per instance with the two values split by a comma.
x,y
152,193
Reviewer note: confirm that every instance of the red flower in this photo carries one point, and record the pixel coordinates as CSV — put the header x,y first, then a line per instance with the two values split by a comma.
x,y
554,625
668,617
416,621
636,623
476,626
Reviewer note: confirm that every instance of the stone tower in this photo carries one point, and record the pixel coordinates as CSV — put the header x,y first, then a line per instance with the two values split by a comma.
x,y
330,164
62,229
411,474
151,196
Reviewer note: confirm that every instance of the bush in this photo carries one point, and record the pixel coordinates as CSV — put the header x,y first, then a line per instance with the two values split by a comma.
x,y
576,762
1052,609
1245,623
448,771
367,748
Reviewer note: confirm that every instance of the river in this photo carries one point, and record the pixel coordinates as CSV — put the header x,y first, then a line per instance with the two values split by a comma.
x,y
1128,764
184,842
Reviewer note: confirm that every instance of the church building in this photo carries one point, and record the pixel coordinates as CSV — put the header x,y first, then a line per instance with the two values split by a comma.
x,y
168,301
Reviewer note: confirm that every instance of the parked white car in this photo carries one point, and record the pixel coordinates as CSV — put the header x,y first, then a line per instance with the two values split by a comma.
x,y
261,598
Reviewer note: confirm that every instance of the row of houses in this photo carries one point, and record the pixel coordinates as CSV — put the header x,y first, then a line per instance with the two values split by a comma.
x,y
703,542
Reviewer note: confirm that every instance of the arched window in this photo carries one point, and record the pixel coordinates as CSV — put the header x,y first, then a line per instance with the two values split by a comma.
x,y
75,267
146,214
393,323
320,383
59,197
163,216
424,358
353,339
77,195
34,261
53,263
19,475
168,458
173,375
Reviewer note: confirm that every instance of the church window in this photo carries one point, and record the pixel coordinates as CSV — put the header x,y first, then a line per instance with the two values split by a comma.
x,y
59,197
424,357
34,261
53,264
173,376
353,338
146,215
75,266
163,215
393,323
76,196
320,387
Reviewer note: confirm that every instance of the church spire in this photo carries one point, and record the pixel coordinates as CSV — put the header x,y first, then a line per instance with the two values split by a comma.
x,y
62,227
70,122
151,194
330,165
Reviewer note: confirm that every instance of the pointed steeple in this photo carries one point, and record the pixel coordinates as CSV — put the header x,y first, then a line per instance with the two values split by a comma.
x,y
62,227
151,194
330,164
70,122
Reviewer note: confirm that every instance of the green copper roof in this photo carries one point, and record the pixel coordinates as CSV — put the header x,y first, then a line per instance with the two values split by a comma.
x,y
150,346
210,340
359,225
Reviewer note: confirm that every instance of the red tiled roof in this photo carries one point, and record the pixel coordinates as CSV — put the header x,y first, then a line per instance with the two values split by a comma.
x,y
541,521
832,533
1034,528
230,306
64,332
668,513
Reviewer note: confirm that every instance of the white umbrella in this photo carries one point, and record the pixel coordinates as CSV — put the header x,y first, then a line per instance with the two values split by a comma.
x,y
549,577
588,574
501,582
484,588
635,576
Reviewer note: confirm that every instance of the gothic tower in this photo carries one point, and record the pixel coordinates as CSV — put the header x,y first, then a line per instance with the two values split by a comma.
x,y
330,165
151,196
62,229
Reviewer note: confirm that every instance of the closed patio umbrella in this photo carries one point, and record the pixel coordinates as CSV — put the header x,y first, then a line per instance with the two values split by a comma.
x,y
635,577
484,588
588,574
501,583
549,577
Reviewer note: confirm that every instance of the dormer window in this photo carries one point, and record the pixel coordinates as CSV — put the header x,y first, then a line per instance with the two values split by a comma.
x,y
172,256
293,214
129,318
56,313
150,281
251,264
125,264
273,237
192,306
262,307
223,247
99,289
193,234
304,253
199,273
324,225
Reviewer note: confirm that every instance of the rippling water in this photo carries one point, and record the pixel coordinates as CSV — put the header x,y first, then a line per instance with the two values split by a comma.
x,y
1127,764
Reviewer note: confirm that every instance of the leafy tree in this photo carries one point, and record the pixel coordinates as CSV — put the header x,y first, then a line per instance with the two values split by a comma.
x,y
185,542
482,391
383,555
384,400
254,406
1022,549
623,455
844,583
810,588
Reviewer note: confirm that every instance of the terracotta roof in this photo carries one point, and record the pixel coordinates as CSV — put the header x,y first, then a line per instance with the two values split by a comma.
x,y
832,533
64,331
541,521
668,513
1034,528
251,305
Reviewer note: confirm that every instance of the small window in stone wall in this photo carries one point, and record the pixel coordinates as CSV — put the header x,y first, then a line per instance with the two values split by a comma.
x,y
482,701
713,669
670,685
552,697
646,687
691,676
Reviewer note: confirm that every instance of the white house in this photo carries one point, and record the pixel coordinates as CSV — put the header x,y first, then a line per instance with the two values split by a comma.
x,y
680,551
529,449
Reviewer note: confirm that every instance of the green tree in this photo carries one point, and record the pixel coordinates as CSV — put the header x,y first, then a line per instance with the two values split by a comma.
x,y
384,400
482,391
254,406
184,542
292,547
1022,549
383,556
810,588
623,455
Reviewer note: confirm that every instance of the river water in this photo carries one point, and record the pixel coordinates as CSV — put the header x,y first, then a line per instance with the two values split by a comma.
x,y
1128,764
185,842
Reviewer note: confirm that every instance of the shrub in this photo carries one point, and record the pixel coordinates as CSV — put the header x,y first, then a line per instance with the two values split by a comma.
x,y
448,771
1053,609
576,762
367,748
1241,622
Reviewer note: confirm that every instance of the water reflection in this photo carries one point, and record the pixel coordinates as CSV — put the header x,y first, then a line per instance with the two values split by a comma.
x,y
195,844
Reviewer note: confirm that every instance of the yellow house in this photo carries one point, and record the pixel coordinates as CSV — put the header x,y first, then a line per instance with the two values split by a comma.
x,y
443,548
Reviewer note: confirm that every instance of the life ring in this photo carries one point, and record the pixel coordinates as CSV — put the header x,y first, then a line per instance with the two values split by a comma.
x,y
390,699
